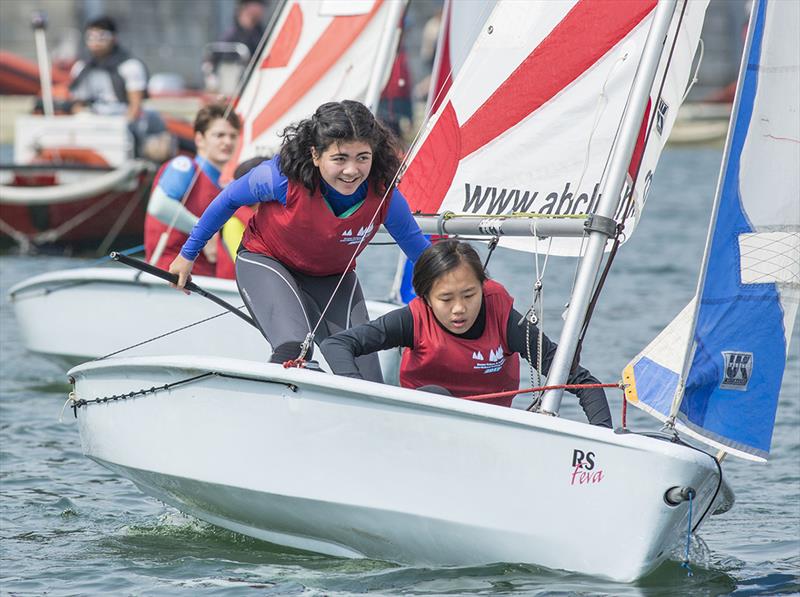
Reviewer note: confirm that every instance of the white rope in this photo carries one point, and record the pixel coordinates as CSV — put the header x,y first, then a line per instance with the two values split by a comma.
x,y
535,316
602,103
696,71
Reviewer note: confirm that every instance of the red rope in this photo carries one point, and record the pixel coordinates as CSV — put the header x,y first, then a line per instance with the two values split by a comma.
x,y
300,363
541,389
624,411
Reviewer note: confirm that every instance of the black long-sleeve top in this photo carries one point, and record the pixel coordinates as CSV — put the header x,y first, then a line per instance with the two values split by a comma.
x,y
396,328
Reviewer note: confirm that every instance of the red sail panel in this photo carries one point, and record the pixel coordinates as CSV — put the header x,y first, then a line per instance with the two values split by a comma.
x,y
328,49
585,35
429,176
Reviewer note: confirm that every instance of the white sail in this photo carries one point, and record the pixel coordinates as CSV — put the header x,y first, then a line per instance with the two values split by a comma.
x,y
318,51
723,386
461,24
530,120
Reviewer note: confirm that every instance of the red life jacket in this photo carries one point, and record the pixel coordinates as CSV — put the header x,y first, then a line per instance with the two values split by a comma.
x,y
202,193
226,261
306,236
464,367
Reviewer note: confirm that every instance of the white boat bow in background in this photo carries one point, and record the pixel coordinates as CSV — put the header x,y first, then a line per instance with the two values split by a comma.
x,y
88,313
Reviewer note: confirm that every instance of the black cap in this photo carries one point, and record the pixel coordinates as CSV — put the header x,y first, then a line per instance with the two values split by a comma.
x,y
105,23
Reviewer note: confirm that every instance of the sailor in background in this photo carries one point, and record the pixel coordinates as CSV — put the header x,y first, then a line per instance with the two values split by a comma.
x,y
462,334
248,25
184,187
112,82
320,202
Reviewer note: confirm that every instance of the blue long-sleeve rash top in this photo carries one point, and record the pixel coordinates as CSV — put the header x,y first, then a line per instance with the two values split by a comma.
x,y
266,182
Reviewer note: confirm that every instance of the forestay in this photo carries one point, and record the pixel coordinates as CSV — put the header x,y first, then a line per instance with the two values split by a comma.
x,y
530,119
318,51
750,283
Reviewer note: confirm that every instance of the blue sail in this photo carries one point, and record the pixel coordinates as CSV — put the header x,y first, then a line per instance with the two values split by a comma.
x,y
733,384
749,289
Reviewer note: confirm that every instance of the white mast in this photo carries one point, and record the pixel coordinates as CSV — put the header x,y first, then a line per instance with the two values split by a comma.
x,y
39,24
611,190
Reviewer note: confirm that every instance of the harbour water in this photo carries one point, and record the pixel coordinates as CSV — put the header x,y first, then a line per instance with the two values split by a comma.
x,y
70,527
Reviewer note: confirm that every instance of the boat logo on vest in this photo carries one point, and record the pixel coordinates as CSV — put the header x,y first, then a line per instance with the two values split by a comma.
x,y
737,370
493,364
584,468
353,239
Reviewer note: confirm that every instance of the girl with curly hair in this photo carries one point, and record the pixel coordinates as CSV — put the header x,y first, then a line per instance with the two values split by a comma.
x,y
321,200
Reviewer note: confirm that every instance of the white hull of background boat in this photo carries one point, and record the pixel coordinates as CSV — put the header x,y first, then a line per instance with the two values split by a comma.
x,y
357,469
86,313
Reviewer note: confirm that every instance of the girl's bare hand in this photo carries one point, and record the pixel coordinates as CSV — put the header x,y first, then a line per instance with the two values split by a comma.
x,y
182,267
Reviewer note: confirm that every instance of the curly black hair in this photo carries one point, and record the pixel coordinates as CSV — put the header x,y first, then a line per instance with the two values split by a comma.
x,y
339,122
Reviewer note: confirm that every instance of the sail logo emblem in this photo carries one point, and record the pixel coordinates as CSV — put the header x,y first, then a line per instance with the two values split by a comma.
x,y
493,364
737,370
353,239
661,115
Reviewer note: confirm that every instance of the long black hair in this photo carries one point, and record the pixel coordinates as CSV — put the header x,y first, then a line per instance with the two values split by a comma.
x,y
339,122
440,258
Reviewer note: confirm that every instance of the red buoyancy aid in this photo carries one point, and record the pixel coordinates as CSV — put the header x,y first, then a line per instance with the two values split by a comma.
x,y
306,236
201,194
226,256
464,367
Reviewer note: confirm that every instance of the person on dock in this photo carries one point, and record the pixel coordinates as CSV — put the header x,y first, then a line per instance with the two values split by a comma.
x,y
184,188
462,335
110,81
320,202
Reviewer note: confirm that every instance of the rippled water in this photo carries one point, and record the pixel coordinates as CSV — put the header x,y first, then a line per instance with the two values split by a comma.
x,y
70,527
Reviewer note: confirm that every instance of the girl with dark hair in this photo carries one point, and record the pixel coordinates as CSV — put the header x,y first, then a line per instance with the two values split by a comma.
x,y
321,200
462,334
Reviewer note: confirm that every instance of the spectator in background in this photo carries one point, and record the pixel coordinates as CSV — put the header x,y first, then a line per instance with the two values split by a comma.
x,y
248,28
112,82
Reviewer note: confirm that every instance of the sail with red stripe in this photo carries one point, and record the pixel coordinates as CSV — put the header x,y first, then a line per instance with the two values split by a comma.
x,y
461,24
529,121
318,51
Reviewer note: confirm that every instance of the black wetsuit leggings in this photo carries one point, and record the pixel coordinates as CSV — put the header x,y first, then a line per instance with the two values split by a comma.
x,y
287,305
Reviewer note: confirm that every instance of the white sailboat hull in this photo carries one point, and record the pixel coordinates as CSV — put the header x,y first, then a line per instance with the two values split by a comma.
x,y
352,468
86,313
